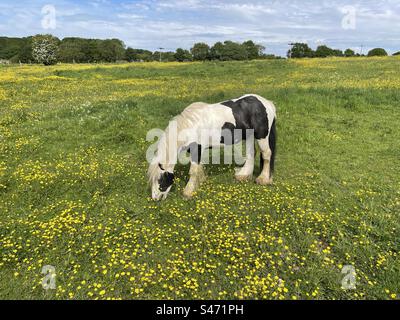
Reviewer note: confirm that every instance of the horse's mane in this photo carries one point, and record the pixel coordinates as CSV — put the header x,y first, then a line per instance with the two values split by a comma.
x,y
152,172
186,120
190,116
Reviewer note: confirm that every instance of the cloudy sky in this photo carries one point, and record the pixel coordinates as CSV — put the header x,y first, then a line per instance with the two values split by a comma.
x,y
150,24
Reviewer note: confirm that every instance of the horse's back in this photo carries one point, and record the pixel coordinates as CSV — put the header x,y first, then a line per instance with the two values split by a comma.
x,y
197,106
250,111
200,107
269,105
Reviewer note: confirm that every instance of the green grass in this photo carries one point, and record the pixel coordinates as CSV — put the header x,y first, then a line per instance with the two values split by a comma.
x,y
74,194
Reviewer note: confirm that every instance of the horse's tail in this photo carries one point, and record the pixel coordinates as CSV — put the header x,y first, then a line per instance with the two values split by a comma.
x,y
272,146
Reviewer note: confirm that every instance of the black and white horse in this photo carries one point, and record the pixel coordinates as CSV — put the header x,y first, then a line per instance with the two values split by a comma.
x,y
249,113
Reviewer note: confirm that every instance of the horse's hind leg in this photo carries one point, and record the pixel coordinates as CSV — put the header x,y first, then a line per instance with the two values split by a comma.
x,y
246,172
265,177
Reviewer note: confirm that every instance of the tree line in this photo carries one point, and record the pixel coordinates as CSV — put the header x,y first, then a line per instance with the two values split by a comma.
x,y
302,50
48,49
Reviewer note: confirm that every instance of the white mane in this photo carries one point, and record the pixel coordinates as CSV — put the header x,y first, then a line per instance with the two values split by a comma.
x,y
189,118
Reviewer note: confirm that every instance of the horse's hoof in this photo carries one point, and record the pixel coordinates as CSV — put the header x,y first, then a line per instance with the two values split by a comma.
x,y
262,181
243,178
202,179
188,195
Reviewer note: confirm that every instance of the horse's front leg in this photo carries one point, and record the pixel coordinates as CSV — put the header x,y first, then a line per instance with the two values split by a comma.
x,y
197,177
246,172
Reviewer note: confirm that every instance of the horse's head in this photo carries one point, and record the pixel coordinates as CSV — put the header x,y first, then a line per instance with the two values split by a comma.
x,y
161,179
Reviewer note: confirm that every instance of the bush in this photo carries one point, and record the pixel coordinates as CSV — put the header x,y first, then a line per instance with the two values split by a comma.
x,y
45,49
349,53
377,52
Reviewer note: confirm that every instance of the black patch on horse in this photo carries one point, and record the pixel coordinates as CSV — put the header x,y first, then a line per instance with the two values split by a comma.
x,y
272,145
166,180
228,134
249,113
195,151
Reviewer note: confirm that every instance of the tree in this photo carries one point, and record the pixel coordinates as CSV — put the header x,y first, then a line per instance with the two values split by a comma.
x,y
182,55
349,53
10,47
217,51
254,51
227,51
230,50
233,51
324,51
145,55
300,50
25,55
167,56
377,52
138,55
200,51
337,53
271,57
130,54
111,50
91,50
396,53
44,49
73,50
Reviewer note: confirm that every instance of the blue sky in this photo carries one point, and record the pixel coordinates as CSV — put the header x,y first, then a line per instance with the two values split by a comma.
x,y
150,24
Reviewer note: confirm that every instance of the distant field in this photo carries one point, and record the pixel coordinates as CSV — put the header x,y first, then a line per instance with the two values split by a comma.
x,y
74,195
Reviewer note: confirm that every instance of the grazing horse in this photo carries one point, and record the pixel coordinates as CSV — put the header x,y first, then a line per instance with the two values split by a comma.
x,y
249,113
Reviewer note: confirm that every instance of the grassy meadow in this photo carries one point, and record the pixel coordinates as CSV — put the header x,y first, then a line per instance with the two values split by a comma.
x,y
74,194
